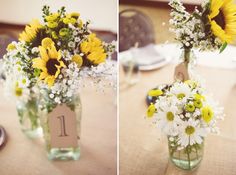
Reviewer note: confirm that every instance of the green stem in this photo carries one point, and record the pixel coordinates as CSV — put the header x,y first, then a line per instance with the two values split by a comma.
x,y
188,152
196,151
179,155
187,52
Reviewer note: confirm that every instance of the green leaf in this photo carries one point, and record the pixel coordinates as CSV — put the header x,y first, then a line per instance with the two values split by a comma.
x,y
223,47
37,72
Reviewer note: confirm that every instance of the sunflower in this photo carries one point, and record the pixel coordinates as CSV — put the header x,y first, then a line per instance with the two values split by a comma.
x,y
49,63
222,19
93,49
30,31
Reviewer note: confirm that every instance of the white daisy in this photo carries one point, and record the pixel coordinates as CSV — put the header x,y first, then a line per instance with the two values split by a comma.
x,y
23,82
168,120
22,94
190,133
181,90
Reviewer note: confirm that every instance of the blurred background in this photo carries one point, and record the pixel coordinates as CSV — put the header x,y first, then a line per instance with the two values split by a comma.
x,y
15,14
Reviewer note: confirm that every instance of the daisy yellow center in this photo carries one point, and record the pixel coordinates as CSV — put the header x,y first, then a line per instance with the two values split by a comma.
x,y
18,92
170,116
189,130
220,19
24,81
180,96
51,66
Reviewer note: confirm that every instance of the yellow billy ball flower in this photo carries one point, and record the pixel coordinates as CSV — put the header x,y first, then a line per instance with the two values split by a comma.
x,y
207,114
155,92
69,20
197,103
75,14
199,97
54,35
52,24
64,32
151,110
78,60
222,19
52,17
190,107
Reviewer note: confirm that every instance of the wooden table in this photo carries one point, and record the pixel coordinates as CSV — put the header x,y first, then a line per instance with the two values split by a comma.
x,y
22,156
143,148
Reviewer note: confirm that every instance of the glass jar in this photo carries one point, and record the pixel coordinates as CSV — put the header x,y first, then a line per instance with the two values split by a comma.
x,y
131,70
187,158
64,151
29,117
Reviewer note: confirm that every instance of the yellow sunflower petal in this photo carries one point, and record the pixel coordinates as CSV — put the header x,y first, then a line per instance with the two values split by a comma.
x,y
215,6
52,52
43,53
62,64
35,24
219,32
50,80
85,47
43,75
38,63
57,72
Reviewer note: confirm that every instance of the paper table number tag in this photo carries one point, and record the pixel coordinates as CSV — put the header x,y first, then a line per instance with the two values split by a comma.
x,y
181,72
62,126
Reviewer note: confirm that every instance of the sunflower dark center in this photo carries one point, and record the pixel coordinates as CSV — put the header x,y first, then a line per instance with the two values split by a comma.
x,y
51,66
220,19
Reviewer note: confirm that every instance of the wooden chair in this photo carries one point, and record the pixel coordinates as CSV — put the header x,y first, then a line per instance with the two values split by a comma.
x,y
135,28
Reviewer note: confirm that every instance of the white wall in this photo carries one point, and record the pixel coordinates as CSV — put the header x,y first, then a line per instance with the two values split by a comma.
x,y
102,13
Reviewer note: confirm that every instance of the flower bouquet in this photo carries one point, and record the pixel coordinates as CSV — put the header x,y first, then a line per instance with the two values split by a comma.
x,y
186,114
211,28
58,57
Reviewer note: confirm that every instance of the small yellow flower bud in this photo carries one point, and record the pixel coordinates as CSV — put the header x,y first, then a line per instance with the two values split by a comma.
x,y
151,110
155,92
78,60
